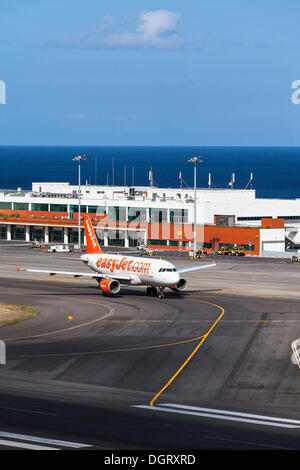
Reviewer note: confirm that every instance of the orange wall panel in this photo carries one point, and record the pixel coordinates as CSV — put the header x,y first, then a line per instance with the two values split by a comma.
x,y
272,223
208,233
230,235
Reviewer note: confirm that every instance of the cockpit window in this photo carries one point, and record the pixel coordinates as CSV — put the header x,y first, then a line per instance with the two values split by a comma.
x,y
162,270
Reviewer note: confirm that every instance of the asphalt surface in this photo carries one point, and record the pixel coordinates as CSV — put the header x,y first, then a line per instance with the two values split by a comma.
x,y
209,368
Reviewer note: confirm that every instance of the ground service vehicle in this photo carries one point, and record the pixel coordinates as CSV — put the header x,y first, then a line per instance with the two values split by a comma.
x,y
141,247
59,249
223,251
237,250
199,254
36,244
147,251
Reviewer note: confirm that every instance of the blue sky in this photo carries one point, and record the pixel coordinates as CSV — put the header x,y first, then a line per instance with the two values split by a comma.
x,y
168,72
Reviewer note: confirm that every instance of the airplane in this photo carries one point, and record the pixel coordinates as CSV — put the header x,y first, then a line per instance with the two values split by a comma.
x,y
113,270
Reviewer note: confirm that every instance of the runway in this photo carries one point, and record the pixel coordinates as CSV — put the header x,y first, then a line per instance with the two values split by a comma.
x,y
206,369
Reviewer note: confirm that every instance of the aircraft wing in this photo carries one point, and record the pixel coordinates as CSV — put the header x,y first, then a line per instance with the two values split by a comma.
x,y
120,277
185,269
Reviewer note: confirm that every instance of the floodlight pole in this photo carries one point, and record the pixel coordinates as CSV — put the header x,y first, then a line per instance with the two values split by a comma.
x,y
78,159
195,160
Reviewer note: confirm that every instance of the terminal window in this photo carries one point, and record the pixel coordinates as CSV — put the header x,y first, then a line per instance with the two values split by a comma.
x,y
157,242
39,207
21,206
58,208
3,231
5,205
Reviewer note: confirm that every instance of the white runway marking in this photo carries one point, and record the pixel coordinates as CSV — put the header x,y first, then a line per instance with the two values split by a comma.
x,y
224,415
23,445
7,436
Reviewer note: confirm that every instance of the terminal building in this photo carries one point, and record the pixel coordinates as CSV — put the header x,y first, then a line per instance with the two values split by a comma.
x,y
162,218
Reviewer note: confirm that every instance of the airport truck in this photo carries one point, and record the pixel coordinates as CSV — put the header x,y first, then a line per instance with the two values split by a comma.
x,y
200,253
237,250
223,251
145,250
59,249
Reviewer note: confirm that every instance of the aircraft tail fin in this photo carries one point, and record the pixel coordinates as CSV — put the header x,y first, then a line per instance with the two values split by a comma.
x,y
92,243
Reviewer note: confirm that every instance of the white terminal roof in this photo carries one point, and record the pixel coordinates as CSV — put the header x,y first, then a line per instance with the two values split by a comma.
x,y
242,203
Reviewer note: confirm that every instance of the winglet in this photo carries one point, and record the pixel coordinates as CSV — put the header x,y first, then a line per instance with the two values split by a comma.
x,y
18,269
92,244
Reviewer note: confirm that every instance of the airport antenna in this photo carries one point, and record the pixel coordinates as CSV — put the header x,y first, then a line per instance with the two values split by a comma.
x,y
182,181
250,182
79,159
232,181
150,178
210,184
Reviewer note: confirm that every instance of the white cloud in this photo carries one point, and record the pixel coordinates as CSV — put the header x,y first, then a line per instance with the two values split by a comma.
x,y
158,27
153,29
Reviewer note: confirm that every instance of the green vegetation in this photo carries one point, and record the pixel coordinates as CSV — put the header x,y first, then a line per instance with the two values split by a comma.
x,y
10,314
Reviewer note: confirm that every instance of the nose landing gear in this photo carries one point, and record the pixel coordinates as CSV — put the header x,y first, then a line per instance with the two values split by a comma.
x,y
156,292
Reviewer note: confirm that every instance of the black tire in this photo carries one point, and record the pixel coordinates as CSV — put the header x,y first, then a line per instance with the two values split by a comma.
x,y
154,291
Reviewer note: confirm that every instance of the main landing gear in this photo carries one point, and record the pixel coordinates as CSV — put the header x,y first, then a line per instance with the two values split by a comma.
x,y
156,292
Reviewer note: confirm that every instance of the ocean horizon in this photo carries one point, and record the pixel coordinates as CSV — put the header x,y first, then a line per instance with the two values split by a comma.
x,y
275,169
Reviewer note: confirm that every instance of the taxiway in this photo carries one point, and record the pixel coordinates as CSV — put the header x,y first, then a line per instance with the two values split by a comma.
x,y
209,368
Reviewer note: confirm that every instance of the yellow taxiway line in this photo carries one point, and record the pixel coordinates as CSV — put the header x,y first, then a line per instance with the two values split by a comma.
x,y
192,354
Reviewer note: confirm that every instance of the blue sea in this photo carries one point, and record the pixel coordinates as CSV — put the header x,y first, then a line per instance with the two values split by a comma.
x,y
276,170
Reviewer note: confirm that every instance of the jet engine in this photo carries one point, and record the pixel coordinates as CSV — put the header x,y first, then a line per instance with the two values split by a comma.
x,y
181,285
109,286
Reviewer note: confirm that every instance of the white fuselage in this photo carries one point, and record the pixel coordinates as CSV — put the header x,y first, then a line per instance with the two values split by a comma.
x,y
133,269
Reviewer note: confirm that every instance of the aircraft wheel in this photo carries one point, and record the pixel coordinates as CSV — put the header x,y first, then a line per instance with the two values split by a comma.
x,y
154,291
149,291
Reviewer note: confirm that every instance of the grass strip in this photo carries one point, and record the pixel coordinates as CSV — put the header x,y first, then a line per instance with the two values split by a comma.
x,y
10,314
